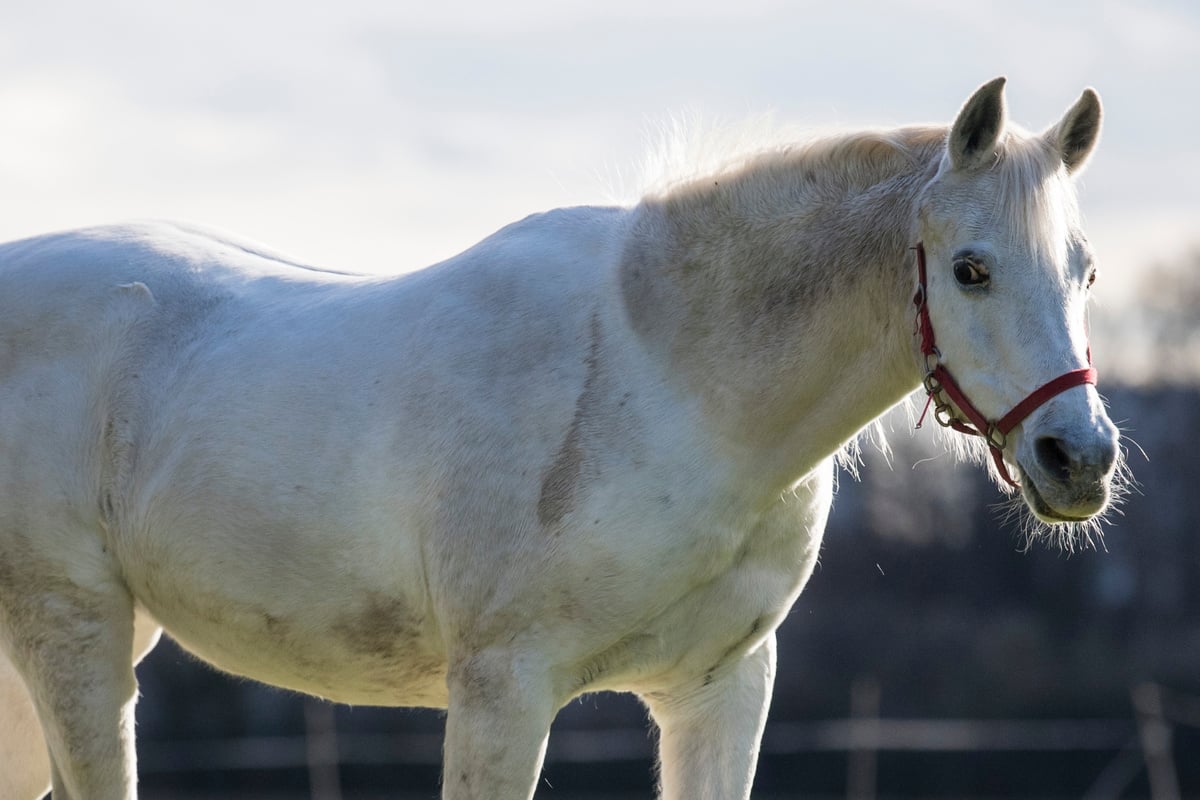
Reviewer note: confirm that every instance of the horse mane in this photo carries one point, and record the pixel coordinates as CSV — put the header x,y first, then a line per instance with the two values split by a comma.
x,y
689,158
1032,190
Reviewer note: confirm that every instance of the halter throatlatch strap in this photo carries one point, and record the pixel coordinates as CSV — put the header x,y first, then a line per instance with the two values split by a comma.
x,y
940,384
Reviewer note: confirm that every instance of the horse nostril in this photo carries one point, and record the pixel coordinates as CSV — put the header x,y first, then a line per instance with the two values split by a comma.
x,y
1053,457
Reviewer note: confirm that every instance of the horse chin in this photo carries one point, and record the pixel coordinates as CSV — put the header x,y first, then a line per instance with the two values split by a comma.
x,y
1081,508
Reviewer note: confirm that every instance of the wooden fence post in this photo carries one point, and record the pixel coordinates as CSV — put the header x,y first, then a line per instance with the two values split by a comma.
x,y
321,750
1155,734
862,759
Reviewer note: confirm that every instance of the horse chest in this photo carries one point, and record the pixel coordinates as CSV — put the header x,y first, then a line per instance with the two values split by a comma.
x,y
717,594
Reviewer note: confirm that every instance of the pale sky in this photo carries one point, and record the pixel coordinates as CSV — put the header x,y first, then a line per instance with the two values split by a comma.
x,y
384,135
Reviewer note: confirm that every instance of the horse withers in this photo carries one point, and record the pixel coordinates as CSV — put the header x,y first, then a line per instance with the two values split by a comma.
x,y
593,452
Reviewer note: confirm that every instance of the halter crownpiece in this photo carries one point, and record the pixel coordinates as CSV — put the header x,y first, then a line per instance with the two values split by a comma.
x,y
939,384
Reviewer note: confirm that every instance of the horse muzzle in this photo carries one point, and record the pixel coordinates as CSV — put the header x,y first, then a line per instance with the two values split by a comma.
x,y
1066,475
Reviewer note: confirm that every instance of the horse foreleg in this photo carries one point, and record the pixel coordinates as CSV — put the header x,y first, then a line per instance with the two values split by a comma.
x,y
496,728
24,760
71,640
710,731
24,763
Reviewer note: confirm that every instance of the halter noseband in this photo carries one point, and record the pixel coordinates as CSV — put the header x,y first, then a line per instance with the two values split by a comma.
x,y
939,383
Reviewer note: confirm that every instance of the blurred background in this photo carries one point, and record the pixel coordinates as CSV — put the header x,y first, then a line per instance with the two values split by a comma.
x,y
930,656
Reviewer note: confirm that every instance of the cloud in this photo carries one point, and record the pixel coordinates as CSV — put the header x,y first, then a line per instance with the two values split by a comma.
x,y
388,133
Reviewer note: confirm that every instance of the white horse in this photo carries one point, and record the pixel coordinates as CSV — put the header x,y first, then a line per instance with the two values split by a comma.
x,y
594,452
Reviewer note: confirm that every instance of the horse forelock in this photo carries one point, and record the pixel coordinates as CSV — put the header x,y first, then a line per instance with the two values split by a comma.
x,y
1034,205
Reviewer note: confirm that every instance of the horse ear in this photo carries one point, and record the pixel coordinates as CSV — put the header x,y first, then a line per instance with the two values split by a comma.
x,y
976,131
1076,134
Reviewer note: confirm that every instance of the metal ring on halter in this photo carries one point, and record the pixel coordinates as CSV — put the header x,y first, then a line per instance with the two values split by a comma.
x,y
943,414
932,359
995,437
932,385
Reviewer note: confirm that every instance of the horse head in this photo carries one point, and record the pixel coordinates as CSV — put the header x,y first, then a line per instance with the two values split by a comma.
x,y
1006,276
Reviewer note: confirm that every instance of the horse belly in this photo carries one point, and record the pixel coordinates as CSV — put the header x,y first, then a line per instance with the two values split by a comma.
x,y
301,593
375,651
292,653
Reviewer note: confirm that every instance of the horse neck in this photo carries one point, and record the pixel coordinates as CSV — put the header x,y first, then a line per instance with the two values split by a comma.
x,y
781,298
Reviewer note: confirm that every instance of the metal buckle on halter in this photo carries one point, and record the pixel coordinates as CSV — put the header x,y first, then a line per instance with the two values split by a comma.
x,y
942,411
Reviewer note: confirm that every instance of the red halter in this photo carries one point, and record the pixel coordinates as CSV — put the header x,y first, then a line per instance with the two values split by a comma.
x,y
939,382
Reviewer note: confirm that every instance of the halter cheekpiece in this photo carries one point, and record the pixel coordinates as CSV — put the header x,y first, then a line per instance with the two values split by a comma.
x,y
941,387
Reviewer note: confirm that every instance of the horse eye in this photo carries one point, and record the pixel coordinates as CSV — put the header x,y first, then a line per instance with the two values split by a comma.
x,y
1091,278
969,273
